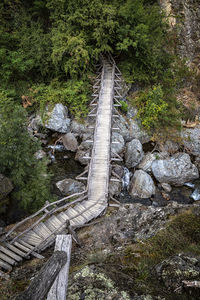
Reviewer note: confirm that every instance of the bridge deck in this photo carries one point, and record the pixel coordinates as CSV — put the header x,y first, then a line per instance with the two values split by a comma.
x,y
43,232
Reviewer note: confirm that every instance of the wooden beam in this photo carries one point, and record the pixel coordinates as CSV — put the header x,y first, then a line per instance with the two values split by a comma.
x,y
40,285
58,290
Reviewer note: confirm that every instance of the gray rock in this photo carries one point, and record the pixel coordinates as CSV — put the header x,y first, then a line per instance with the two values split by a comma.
x,y
58,120
40,154
134,153
119,147
148,159
130,129
70,142
141,185
35,122
170,147
174,270
176,170
70,186
115,188
196,194
191,140
167,187
78,128
136,132
6,186
84,149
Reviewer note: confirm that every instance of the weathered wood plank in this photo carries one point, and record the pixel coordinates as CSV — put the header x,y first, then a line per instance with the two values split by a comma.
x,y
58,290
40,285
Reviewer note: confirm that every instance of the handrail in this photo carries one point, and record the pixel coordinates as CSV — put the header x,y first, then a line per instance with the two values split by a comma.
x,y
41,210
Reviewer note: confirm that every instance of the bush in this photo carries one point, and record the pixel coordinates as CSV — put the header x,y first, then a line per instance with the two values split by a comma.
x,y
17,160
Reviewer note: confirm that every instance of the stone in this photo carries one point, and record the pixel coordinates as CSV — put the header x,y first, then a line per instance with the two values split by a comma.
x,y
79,128
35,122
117,148
174,270
84,150
115,188
191,140
167,187
170,147
70,142
40,154
70,186
58,119
141,185
148,159
133,153
6,186
176,170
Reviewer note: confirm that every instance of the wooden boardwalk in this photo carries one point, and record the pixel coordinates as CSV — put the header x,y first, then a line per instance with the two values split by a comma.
x,y
55,217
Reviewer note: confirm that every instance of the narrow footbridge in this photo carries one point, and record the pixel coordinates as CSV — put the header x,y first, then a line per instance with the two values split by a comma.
x,y
38,231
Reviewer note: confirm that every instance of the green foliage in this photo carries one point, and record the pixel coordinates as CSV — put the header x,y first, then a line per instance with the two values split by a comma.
x,y
155,109
73,93
151,107
124,106
17,159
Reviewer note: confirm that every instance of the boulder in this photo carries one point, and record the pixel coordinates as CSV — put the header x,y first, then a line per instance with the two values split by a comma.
x,y
58,119
176,170
70,186
119,147
79,128
6,186
70,142
35,122
131,129
115,188
84,150
141,185
148,159
133,153
191,140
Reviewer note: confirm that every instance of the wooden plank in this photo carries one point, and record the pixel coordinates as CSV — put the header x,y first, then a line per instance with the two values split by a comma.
x,y
16,250
7,259
5,265
58,290
10,253
42,282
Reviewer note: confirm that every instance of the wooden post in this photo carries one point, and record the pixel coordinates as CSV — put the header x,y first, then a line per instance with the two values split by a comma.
x,y
42,282
58,290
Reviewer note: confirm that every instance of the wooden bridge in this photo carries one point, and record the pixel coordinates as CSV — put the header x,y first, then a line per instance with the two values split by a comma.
x,y
43,226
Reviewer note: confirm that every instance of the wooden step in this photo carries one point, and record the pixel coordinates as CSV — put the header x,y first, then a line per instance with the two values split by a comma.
x,y
62,217
5,266
38,229
16,250
7,259
22,247
10,253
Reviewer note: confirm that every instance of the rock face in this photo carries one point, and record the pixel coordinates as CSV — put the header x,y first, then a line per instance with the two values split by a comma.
x,y
175,270
131,222
176,170
191,140
59,120
78,128
6,186
70,186
115,188
70,142
141,185
134,153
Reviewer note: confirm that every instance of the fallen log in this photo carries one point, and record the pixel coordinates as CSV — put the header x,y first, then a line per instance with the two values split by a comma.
x,y
41,284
